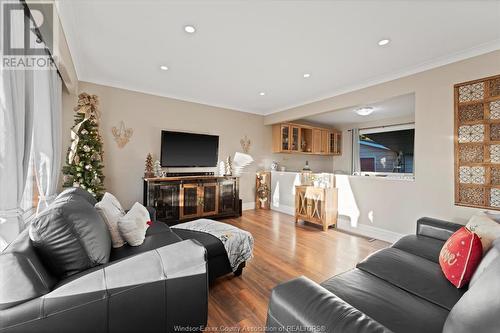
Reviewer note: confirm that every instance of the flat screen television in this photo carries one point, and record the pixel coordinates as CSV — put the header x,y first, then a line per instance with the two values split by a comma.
x,y
180,149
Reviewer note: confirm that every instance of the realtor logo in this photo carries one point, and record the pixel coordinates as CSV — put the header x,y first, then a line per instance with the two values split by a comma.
x,y
28,36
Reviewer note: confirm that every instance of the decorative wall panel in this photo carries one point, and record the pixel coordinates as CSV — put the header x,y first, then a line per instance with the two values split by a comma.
x,y
471,153
495,197
471,112
495,132
495,110
477,143
474,133
471,92
494,87
471,175
495,175
472,196
495,153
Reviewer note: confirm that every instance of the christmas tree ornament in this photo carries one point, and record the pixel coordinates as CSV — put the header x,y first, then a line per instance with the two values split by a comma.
x,y
157,169
229,167
86,148
148,169
96,156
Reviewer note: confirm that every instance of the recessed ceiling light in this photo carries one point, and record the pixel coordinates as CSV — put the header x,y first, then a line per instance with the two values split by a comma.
x,y
164,68
365,111
190,29
383,42
307,75
262,93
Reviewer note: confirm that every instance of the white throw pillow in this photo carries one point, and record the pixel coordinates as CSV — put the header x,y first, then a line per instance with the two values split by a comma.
x,y
134,224
111,211
486,228
494,216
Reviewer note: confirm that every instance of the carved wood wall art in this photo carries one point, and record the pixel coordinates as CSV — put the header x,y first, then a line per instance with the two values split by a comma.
x,y
477,143
245,144
122,134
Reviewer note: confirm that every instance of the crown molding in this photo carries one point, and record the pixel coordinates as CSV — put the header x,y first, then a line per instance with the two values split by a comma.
x,y
411,70
161,94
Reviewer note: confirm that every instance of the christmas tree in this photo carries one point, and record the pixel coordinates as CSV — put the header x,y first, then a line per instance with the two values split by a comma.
x,y
84,162
157,168
148,169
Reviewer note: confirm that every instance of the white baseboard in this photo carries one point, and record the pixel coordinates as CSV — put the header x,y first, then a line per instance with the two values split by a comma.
x,y
248,206
343,223
290,210
368,230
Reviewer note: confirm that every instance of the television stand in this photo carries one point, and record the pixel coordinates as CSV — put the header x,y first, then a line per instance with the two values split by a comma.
x,y
183,174
182,198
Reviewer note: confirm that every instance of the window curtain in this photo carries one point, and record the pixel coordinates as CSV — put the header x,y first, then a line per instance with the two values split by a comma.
x,y
16,132
47,135
30,143
356,164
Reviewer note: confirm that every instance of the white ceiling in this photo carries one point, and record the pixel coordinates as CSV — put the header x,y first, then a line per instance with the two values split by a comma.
x,y
244,47
400,107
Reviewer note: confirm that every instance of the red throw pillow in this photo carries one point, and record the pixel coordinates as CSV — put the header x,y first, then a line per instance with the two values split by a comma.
x,y
460,256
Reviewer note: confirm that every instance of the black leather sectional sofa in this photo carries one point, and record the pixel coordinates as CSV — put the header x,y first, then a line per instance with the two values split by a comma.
x,y
397,289
160,286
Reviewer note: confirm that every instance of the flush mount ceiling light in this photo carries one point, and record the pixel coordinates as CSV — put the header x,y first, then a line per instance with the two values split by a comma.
x,y
307,75
190,29
365,111
262,93
164,68
384,41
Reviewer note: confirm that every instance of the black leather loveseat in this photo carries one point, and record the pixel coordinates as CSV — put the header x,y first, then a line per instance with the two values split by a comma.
x,y
397,289
160,286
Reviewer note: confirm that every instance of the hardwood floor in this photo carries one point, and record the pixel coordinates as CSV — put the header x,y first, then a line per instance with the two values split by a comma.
x,y
282,251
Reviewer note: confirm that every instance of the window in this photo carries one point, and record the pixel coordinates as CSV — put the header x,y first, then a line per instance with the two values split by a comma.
x,y
368,164
387,150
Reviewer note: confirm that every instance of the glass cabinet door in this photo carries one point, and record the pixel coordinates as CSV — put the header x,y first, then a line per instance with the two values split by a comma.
x,y
227,197
209,201
165,199
331,143
335,143
190,201
294,138
285,137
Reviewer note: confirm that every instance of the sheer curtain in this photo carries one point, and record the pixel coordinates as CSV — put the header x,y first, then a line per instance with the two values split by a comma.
x,y
30,143
356,164
46,152
16,132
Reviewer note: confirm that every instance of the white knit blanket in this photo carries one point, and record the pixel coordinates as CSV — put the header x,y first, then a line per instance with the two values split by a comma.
x,y
238,243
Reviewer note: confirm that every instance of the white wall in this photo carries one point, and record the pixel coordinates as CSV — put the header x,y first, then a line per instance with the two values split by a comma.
x,y
295,162
147,115
396,205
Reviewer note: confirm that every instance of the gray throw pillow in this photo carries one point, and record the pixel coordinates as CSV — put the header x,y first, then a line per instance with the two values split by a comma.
x,y
80,192
70,236
478,309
